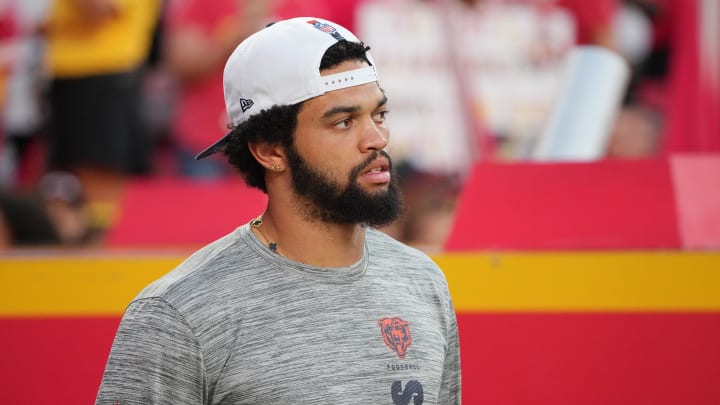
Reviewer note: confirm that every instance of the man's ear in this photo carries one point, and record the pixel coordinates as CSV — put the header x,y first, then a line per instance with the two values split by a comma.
x,y
270,156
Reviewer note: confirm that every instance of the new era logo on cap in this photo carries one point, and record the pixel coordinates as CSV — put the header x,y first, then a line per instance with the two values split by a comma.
x,y
245,104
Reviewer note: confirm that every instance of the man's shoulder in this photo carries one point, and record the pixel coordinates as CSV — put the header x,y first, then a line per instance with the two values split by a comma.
x,y
201,272
398,261
394,250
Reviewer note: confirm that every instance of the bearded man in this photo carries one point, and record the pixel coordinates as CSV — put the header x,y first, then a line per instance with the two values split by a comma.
x,y
308,303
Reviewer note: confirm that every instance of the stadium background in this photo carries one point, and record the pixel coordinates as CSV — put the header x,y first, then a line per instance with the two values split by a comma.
x,y
605,290
574,283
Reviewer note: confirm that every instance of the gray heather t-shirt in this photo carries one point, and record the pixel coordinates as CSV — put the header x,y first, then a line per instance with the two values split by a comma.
x,y
238,324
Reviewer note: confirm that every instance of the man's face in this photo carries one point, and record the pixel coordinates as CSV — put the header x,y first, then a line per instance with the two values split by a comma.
x,y
338,163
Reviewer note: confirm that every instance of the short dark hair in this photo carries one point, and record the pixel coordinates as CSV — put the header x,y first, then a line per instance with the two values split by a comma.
x,y
276,125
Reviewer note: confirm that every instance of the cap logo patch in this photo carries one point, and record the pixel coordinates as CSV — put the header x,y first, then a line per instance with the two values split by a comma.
x,y
245,104
326,28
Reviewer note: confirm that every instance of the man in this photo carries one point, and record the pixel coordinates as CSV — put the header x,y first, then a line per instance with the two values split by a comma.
x,y
307,304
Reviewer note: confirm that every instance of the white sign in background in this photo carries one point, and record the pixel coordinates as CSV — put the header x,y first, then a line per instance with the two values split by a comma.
x,y
507,56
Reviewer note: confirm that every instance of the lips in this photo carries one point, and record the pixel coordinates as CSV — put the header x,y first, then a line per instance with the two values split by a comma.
x,y
379,165
378,171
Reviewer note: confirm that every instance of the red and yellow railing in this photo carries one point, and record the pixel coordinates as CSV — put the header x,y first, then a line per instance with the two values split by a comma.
x,y
544,328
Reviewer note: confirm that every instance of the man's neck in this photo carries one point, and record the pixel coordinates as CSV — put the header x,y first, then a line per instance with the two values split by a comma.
x,y
311,241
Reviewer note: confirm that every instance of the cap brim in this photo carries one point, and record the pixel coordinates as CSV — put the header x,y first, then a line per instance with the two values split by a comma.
x,y
212,149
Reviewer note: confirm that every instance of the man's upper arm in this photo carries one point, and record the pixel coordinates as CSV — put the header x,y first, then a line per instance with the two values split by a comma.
x,y
451,390
155,358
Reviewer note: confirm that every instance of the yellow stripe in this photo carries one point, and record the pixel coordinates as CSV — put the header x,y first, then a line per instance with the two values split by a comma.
x,y
584,281
563,281
75,286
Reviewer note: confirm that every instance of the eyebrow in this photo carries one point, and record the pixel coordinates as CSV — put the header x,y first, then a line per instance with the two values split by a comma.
x,y
351,109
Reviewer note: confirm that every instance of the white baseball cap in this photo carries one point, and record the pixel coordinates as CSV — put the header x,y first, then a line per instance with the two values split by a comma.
x,y
280,65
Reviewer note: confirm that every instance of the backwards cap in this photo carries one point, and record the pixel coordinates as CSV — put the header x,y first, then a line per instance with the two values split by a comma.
x,y
280,65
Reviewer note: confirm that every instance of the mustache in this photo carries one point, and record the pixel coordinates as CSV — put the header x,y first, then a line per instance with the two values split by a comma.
x,y
359,168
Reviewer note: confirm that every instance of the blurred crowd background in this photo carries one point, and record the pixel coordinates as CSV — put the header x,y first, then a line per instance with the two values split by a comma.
x,y
97,93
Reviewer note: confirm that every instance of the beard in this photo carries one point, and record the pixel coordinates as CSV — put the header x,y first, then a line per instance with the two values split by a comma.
x,y
329,202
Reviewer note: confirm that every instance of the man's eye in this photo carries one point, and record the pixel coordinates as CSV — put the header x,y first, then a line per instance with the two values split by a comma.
x,y
381,116
343,124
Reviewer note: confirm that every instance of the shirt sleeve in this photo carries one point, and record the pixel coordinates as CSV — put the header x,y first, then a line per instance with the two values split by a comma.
x,y
155,359
450,390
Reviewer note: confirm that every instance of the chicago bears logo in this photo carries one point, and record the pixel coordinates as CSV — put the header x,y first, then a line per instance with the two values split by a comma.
x,y
396,334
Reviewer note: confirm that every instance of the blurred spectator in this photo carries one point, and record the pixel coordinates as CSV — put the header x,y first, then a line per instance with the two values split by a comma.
x,y
8,35
681,75
96,53
673,103
200,37
23,114
52,215
637,130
